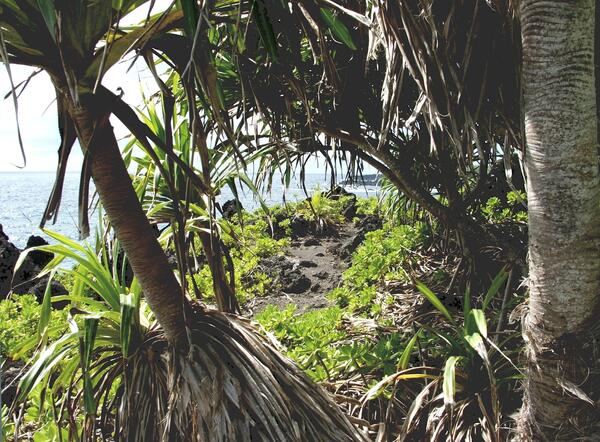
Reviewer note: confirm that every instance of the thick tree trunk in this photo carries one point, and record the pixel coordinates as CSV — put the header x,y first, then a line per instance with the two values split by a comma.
x,y
113,184
564,220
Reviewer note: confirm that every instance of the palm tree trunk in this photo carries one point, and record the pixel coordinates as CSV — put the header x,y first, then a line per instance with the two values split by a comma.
x,y
113,184
564,219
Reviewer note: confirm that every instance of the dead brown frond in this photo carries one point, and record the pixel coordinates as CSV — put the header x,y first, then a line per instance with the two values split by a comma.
x,y
233,385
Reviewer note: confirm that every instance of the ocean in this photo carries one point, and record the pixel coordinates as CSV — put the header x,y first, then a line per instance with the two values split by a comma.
x,y
23,198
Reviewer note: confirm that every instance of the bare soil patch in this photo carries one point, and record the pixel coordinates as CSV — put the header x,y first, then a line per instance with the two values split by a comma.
x,y
311,268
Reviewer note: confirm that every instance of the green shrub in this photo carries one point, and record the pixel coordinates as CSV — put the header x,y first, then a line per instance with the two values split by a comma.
x,y
322,210
383,256
308,338
19,316
319,343
495,211
367,206
248,243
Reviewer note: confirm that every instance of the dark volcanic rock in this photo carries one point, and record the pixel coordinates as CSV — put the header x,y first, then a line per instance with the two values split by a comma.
x,y
300,226
8,258
322,275
276,264
285,273
312,242
294,282
351,245
337,192
11,372
39,257
367,224
349,210
2,234
21,282
307,263
56,289
231,208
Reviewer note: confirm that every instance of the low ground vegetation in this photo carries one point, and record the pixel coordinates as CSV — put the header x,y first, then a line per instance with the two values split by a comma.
x,y
402,351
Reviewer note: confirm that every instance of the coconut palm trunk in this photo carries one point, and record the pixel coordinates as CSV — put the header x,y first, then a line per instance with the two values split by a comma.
x,y
138,239
564,220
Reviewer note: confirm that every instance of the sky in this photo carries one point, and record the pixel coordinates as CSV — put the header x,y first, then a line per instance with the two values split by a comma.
x,y
37,110
38,118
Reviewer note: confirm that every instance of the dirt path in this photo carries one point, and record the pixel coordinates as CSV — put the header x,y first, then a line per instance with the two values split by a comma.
x,y
311,268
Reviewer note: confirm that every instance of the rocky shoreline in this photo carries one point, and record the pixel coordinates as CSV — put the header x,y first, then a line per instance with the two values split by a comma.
x,y
26,278
313,264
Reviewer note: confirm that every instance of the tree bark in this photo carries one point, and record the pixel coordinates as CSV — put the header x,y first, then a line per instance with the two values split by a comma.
x,y
563,191
148,260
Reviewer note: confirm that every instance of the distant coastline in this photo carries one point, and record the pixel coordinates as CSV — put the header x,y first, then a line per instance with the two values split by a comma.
x,y
363,180
25,194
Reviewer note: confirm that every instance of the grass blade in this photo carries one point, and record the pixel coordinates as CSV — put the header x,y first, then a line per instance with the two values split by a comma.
x,y
405,357
449,384
434,300
494,287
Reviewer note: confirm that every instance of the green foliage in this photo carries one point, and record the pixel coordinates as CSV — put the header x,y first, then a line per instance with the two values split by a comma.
x,y
41,416
248,243
19,317
476,371
322,210
308,338
383,256
320,344
104,328
495,211
367,206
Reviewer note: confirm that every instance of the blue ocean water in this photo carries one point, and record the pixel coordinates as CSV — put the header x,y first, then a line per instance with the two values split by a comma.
x,y
23,198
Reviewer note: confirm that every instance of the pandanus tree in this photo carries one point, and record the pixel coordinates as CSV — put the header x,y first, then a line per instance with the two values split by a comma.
x,y
429,93
224,381
425,92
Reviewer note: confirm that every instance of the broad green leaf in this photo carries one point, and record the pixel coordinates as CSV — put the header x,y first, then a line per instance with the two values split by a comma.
x,y
338,28
89,336
45,312
405,357
265,28
476,342
47,359
132,40
449,384
494,287
476,322
434,300
49,13
190,13
86,349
